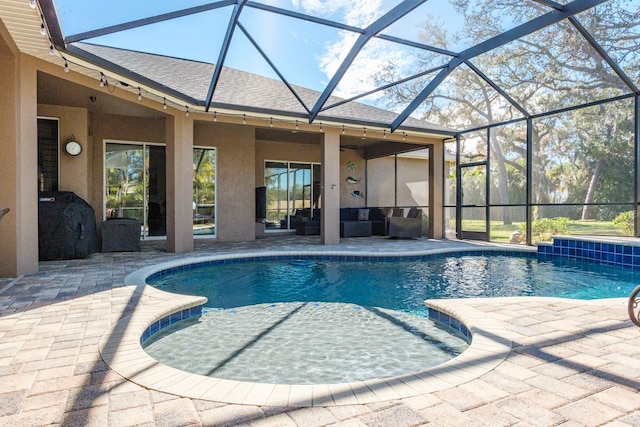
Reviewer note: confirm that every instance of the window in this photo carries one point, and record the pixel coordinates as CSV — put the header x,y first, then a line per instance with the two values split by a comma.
x,y
48,157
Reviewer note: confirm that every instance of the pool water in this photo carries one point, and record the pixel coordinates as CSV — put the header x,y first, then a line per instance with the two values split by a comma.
x,y
397,285
319,321
305,343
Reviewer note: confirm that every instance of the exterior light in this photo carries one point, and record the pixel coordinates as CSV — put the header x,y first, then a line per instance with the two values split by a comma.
x,y
43,30
66,66
52,51
215,116
32,4
164,103
343,129
244,119
384,133
187,110
271,122
139,94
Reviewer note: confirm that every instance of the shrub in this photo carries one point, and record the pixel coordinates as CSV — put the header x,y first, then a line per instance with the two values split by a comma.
x,y
542,230
624,223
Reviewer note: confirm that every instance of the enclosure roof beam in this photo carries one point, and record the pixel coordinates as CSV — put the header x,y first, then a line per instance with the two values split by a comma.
x,y
550,18
383,22
233,21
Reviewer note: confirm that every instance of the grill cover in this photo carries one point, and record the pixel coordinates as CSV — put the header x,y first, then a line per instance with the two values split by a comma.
x,y
66,226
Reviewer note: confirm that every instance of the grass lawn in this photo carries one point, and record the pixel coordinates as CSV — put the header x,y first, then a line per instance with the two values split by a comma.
x,y
502,233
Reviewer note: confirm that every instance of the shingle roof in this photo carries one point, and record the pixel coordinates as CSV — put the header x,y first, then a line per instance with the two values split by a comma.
x,y
240,90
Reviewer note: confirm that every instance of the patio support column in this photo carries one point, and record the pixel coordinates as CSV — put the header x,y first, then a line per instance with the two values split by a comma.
x,y
19,159
179,183
330,234
436,191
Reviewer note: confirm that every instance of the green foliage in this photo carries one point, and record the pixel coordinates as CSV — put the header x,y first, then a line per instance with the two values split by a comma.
x,y
544,229
624,223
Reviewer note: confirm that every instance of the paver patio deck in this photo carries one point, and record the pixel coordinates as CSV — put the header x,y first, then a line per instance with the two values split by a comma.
x,y
570,362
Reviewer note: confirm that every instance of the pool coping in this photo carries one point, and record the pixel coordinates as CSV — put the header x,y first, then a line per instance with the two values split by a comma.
x,y
121,349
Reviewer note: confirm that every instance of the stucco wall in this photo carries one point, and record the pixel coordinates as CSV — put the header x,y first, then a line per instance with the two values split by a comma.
x,y
347,197
235,157
412,182
381,182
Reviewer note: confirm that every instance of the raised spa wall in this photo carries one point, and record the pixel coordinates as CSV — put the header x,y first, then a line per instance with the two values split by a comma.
x,y
620,252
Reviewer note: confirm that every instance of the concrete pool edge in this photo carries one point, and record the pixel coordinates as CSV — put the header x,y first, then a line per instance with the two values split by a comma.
x,y
121,349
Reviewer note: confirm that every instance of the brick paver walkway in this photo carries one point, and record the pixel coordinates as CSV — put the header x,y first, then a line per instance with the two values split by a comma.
x,y
571,362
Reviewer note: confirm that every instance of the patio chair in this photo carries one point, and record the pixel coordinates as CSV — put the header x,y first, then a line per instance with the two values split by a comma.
x,y
406,227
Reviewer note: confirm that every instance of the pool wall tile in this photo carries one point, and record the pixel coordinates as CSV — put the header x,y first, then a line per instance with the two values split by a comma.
x,y
169,320
618,254
449,321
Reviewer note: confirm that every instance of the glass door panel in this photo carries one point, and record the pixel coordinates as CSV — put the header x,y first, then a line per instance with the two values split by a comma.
x,y
156,221
275,179
300,189
474,201
125,181
204,191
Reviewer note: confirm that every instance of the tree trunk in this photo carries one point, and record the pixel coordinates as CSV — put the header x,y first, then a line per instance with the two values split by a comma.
x,y
588,212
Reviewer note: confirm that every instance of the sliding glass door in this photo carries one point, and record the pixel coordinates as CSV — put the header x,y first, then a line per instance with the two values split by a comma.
x,y
135,185
293,192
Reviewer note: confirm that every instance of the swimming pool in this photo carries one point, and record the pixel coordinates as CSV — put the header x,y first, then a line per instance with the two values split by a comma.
x,y
283,292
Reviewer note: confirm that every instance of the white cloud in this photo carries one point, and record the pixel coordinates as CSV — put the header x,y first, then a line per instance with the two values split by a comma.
x,y
358,13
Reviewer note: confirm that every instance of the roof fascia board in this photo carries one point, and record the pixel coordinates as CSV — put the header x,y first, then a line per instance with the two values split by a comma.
x,y
272,65
497,88
146,21
550,18
603,53
389,149
383,22
233,21
50,15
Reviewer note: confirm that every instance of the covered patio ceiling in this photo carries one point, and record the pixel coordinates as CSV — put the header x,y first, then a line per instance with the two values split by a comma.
x,y
414,60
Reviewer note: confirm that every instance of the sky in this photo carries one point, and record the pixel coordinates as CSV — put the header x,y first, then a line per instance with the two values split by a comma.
x,y
307,54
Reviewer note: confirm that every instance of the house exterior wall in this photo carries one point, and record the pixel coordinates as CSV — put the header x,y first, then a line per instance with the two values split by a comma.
x,y
240,160
235,169
347,198
381,182
413,182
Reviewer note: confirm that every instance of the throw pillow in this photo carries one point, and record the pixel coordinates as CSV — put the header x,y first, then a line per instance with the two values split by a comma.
x,y
363,214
